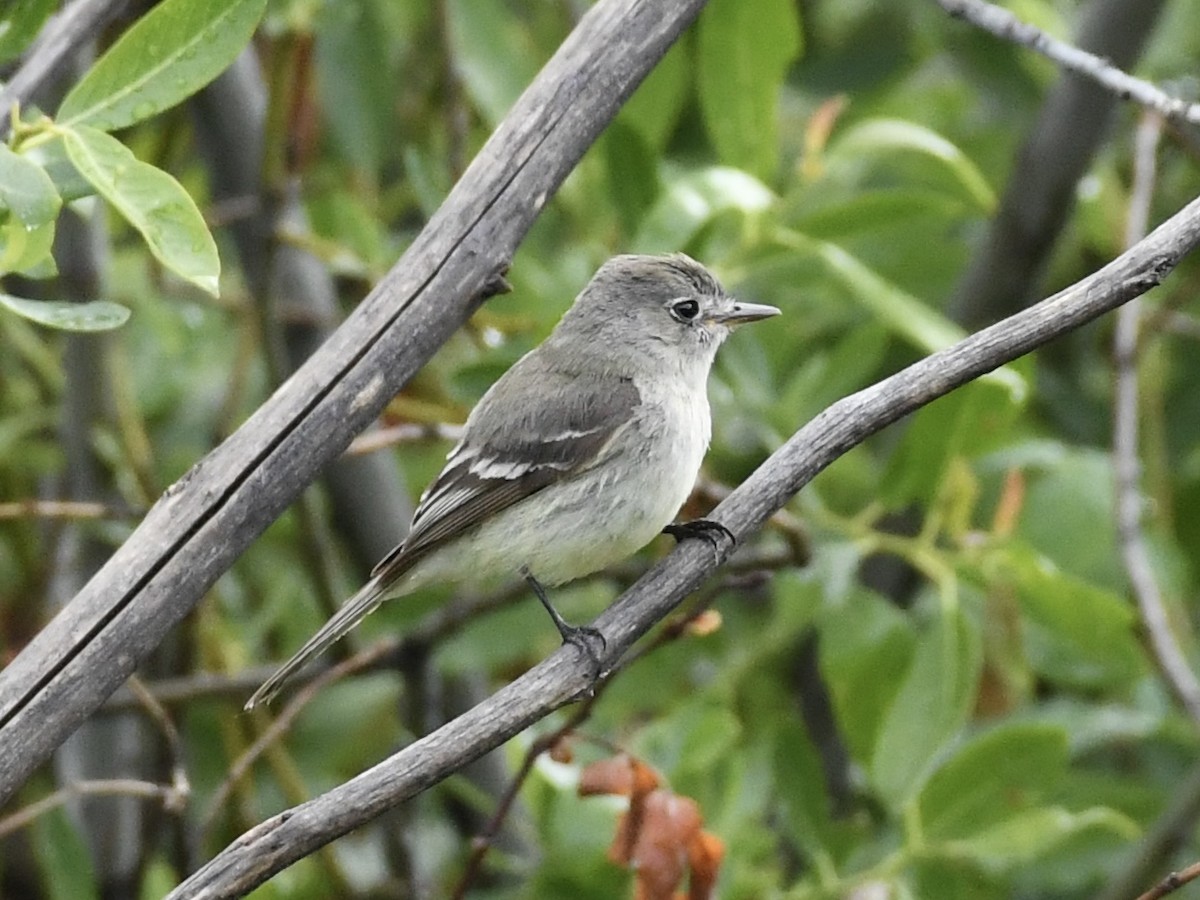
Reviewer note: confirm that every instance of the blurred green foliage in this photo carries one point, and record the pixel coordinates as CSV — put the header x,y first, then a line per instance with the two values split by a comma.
x,y
984,719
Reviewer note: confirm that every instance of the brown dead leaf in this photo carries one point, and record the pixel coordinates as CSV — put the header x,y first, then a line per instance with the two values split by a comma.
x,y
660,836
705,853
660,852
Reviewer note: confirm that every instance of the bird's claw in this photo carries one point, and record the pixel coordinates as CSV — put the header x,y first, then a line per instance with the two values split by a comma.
x,y
705,529
591,645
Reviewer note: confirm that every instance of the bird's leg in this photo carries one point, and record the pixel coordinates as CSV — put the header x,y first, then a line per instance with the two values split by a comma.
x,y
581,636
705,529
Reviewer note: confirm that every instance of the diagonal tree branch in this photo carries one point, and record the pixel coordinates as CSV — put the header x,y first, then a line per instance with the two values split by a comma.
x,y
290,835
1003,24
206,519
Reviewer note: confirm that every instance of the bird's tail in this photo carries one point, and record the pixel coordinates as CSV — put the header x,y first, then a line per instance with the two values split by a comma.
x,y
353,611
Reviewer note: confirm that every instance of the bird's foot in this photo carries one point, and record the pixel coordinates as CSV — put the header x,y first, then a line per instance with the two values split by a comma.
x,y
587,640
705,529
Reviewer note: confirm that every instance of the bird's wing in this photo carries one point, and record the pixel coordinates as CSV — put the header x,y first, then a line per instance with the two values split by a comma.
x,y
511,451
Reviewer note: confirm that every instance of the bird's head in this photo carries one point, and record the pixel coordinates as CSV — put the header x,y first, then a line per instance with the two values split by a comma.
x,y
663,307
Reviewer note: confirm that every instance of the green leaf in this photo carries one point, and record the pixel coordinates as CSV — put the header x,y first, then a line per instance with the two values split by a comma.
x,y
886,138
26,190
1077,633
20,21
63,859
907,316
964,423
493,54
29,205
991,776
152,201
27,250
632,169
52,157
904,314
97,315
1093,726
939,878
1025,837
692,739
802,789
865,210
169,54
355,241
1068,516
158,879
829,371
929,710
355,83
745,51
655,107
692,201
866,647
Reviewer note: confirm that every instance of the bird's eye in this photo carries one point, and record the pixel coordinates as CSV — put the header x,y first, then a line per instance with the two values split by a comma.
x,y
685,310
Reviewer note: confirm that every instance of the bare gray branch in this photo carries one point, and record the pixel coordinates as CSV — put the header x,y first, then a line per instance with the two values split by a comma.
x,y
1003,24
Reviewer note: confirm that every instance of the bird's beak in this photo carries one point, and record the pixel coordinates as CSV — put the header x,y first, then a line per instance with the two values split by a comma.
x,y
740,313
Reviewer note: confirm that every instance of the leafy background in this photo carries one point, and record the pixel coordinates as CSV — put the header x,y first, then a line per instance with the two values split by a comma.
x,y
929,680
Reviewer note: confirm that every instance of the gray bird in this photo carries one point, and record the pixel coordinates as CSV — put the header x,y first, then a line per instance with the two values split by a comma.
x,y
579,455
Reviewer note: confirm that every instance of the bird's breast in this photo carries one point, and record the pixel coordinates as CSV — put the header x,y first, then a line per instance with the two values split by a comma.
x,y
675,427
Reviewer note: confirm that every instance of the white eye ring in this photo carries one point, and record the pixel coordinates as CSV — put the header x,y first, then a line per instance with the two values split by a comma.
x,y
685,310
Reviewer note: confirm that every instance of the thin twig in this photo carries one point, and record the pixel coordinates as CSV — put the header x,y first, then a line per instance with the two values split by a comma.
x,y
182,690
1171,831
64,509
1003,24
108,787
275,731
1172,882
437,626
1129,502
407,433
383,654
156,711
